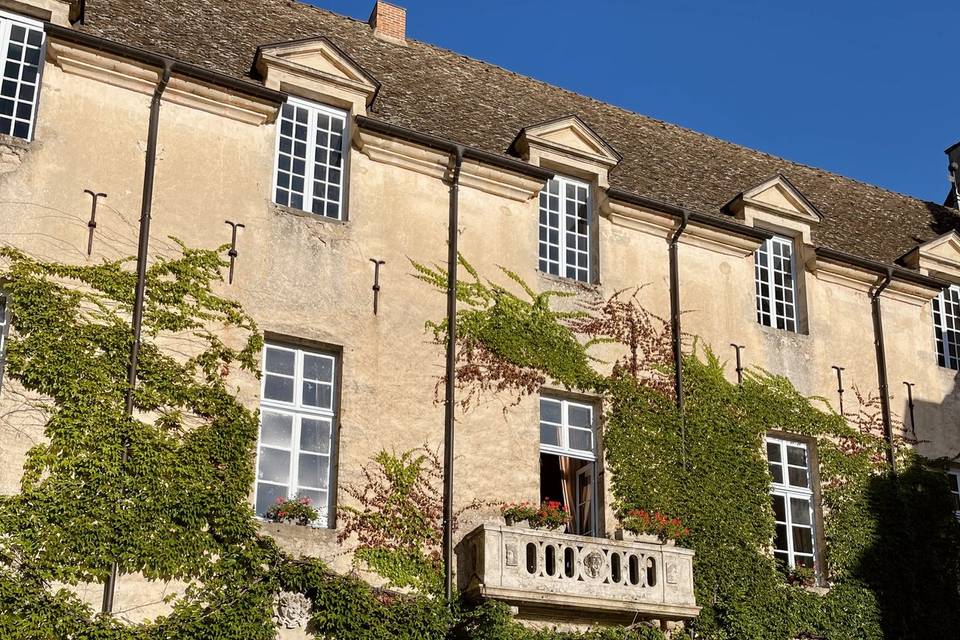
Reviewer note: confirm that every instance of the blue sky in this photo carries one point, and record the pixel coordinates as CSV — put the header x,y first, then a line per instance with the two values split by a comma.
x,y
870,90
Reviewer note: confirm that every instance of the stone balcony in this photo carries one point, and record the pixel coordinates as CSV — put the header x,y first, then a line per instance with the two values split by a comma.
x,y
577,578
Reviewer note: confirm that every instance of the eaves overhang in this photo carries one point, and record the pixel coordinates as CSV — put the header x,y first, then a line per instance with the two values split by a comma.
x,y
178,67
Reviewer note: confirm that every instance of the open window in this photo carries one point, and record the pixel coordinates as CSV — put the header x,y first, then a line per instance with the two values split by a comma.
x,y
568,461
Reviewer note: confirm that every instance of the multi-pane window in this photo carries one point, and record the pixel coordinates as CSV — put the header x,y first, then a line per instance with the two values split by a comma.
x,y
568,462
566,428
946,323
775,270
791,491
311,147
297,427
953,477
21,42
565,219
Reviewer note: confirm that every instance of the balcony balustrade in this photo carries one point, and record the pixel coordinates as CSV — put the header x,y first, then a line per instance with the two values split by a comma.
x,y
577,577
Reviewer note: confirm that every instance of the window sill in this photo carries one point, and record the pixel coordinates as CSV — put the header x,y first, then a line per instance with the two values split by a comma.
x,y
817,590
569,284
782,334
947,374
296,536
281,209
12,141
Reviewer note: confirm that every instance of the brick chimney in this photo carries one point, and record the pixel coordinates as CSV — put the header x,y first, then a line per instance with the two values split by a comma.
x,y
389,22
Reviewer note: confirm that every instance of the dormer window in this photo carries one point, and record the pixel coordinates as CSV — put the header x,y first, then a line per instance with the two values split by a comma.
x,y
565,223
776,283
568,227
311,147
946,323
776,205
940,258
21,41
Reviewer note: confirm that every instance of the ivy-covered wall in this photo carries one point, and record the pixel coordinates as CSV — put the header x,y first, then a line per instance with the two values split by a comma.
x,y
891,566
178,506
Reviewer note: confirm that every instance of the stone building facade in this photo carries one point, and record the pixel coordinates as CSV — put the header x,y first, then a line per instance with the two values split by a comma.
x,y
332,141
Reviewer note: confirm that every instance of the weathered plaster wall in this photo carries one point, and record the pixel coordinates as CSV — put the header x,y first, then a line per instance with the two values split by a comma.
x,y
310,279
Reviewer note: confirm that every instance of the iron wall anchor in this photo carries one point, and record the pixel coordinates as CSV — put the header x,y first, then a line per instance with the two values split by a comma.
x,y
738,348
233,253
92,224
913,422
839,371
376,283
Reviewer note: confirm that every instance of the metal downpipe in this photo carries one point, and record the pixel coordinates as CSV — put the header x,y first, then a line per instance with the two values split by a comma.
x,y
146,205
675,334
451,371
882,365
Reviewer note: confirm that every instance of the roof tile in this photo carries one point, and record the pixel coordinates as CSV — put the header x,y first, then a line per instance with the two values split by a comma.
x,y
442,93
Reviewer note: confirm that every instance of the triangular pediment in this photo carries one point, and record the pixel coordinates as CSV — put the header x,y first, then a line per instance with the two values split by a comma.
x,y
778,196
945,247
318,60
568,135
940,256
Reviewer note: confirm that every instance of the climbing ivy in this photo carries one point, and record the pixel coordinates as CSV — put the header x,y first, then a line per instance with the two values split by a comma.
x,y
892,556
398,520
177,507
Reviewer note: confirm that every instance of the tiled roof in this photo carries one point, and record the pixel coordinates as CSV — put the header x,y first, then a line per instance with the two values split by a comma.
x,y
436,91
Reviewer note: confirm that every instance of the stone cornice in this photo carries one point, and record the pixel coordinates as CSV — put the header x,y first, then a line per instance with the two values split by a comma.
x,y
864,281
663,225
436,164
127,74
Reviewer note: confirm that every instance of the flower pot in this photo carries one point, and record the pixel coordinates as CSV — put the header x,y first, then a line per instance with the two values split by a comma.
x,y
671,542
517,524
630,536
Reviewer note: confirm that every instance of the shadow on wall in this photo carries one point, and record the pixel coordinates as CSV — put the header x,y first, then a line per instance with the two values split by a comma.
x,y
912,561
935,425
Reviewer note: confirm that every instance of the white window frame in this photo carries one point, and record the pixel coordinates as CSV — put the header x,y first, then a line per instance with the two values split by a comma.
x,y
313,110
7,20
788,491
947,339
789,319
565,427
562,264
297,410
953,478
